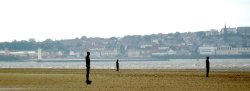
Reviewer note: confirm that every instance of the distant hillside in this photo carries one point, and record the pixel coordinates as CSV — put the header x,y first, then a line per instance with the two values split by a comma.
x,y
187,42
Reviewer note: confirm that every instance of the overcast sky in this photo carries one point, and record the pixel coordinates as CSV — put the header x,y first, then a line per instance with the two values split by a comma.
x,y
66,19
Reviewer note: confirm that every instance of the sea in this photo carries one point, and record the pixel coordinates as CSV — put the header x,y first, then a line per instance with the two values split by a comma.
x,y
216,64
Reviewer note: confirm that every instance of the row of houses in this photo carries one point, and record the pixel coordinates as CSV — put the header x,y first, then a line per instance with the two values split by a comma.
x,y
204,50
19,53
223,50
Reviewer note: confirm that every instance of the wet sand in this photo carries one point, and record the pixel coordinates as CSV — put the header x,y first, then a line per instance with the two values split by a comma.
x,y
124,80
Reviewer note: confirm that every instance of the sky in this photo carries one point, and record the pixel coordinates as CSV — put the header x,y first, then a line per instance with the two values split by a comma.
x,y
68,19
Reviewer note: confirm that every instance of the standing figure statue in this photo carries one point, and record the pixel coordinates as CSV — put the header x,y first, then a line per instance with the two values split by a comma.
x,y
87,68
117,65
207,66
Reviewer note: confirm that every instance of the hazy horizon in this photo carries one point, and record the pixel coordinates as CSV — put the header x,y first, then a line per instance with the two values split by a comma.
x,y
86,36
67,19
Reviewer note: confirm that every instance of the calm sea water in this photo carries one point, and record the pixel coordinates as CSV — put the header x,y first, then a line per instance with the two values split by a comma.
x,y
224,64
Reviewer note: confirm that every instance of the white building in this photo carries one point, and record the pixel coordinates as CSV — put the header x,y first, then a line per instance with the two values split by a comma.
x,y
156,41
171,52
39,53
146,46
108,53
159,54
96,54
71,53
23,53
134,53
229,30
2,52
207,50
212,32
226,50
163,48
59,53
97,49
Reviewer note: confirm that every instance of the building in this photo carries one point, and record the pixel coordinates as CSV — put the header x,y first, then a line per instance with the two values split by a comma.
x,y
155,41
39,53
159,54
207,50
2,53
243,30
24,53
109,53
59,53
171,52
229,31
168,52
146,46
212,32
163,48
96,54
227,50
134,53
71,53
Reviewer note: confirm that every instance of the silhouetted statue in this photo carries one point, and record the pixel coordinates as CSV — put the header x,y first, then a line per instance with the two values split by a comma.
x,y
88,68
207,66
117,65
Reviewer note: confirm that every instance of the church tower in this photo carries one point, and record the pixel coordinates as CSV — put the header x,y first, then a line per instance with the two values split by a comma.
x,y
225,34
225,30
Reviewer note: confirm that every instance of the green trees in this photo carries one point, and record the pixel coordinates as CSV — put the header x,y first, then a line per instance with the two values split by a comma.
x,y
32,45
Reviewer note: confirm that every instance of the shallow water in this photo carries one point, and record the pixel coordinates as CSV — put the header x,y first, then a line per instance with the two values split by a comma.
x,y
235,64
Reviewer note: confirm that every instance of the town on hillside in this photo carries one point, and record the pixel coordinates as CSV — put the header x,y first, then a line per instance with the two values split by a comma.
x,y
227,42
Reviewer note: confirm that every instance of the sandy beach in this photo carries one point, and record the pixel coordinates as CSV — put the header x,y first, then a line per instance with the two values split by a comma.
x,y
125,80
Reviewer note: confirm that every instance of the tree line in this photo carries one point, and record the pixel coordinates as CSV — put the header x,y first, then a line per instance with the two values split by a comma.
x,y
31,44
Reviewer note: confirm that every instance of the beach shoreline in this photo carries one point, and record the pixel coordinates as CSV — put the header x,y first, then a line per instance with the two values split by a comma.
x,y
40,79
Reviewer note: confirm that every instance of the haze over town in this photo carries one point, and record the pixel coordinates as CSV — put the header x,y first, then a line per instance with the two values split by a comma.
x,y
64,19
